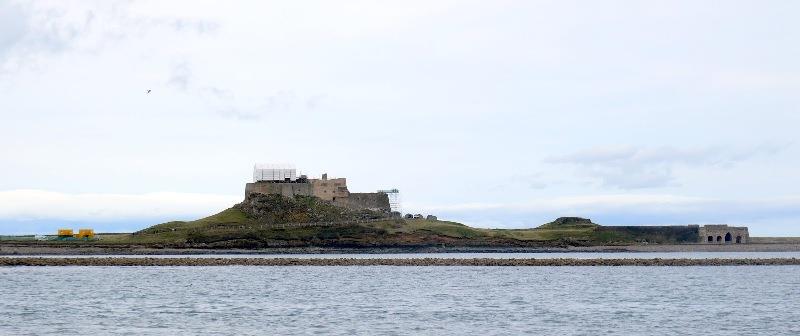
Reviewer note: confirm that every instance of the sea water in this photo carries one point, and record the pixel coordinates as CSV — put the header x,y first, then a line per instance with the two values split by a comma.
x,y
386,300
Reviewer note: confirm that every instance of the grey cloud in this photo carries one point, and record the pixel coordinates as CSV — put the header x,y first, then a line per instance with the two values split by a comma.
x,y
281,102
628,176
180,76
44,31
196,26
234,113
32,30
533,180
13,26
635,167
218,93
314,102
516,182
714,155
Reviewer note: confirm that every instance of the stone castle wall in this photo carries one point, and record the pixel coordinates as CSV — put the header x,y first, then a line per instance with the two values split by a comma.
x,y
288,189
371,201
332,190
723,234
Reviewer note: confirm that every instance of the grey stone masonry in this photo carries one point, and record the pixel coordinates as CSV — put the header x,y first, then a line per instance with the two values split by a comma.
x,y
723,234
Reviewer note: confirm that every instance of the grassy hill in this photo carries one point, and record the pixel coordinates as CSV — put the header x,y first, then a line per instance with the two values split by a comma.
x,y
263,221
232,228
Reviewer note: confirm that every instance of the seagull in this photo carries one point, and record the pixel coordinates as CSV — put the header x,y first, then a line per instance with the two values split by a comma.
x,y
148,91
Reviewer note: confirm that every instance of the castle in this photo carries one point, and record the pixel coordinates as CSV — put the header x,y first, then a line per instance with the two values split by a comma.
x,y
283,180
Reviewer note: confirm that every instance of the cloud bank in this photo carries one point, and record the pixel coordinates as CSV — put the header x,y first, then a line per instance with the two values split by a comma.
x,y
629,167
47,210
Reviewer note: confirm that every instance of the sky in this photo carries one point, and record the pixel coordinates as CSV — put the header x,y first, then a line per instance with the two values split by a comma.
x,y
503,114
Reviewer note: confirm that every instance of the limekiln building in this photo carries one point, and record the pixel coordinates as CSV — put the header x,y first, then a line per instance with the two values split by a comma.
x,y
284,180
723,234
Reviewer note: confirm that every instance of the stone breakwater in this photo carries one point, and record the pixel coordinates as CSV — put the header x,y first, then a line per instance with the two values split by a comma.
x,y
112,261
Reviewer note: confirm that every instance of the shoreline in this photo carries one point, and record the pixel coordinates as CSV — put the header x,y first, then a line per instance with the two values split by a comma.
x,y
11,249
110,261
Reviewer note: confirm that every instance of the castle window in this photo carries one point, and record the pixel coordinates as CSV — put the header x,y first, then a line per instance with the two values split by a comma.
x,y
738,239
719,239
728,237
710,239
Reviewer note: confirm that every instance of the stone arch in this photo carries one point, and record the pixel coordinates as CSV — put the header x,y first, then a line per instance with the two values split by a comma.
x,y
738,239
728,237
719,239
710,239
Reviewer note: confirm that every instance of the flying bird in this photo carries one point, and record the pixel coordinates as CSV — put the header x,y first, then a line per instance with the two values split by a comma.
x,y
148,91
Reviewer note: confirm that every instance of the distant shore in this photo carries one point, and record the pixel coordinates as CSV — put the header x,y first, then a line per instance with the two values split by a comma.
x,y
111,261
26,249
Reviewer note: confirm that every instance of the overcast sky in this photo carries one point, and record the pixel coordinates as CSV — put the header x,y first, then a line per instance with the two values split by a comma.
x,y
491,113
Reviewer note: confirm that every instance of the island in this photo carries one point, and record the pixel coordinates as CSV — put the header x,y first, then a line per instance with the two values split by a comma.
x,y
285,213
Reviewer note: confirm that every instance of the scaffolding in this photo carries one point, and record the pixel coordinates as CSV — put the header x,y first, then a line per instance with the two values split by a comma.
x,y
274,172
394,199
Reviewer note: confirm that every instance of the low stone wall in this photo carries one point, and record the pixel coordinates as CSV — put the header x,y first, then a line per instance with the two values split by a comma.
x,y
669,234
773,240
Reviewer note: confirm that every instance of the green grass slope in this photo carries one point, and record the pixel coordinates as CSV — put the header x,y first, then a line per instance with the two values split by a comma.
x,y
233,228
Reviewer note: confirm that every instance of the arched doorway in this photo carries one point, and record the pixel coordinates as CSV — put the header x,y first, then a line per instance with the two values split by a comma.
x,y
738,239
710,239
728,237
719,239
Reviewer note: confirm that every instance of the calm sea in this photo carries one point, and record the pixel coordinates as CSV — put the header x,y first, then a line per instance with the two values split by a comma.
x,y
237,300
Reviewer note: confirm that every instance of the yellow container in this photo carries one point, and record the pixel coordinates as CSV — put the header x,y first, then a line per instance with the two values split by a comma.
x,y
65,232
85,233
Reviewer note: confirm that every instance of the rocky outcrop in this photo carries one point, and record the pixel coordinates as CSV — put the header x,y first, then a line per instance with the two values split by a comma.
x,y
277,209
563,222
